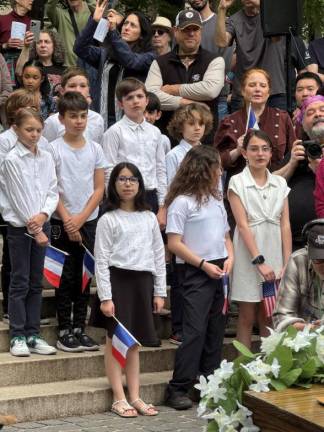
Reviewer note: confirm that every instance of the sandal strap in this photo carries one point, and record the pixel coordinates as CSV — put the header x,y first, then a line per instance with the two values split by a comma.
x,y
124,401
145,406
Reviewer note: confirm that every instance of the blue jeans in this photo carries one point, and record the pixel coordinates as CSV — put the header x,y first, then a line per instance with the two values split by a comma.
x,y
25,291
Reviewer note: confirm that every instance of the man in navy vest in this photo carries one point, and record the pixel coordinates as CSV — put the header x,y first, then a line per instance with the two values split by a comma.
x,y
188,73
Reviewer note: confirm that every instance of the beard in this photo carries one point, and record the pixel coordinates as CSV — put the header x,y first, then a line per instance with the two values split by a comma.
x,y
198,8
317,131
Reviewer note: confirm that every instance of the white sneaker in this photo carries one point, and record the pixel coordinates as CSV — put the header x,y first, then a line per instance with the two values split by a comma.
x,y
18,347
38,345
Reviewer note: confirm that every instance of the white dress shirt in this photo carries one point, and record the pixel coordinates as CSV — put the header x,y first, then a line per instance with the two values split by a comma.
x,y
28,185
174,158
8,141
75,168
132,241
140,144
54,129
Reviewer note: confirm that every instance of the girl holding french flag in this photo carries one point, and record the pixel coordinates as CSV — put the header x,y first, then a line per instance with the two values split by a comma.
x,y
131,282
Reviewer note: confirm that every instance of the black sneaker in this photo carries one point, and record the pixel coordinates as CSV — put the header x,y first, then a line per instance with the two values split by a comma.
x,y
68,342
87,343
178,401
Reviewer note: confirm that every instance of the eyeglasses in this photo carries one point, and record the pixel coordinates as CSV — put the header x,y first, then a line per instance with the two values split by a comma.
x,y
123,180
264,149
160,32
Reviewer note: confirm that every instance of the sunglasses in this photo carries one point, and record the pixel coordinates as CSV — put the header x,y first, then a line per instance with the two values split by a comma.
x,y
160,32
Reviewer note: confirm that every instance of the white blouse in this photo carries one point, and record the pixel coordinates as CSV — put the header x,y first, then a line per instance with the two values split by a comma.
x,y
132,241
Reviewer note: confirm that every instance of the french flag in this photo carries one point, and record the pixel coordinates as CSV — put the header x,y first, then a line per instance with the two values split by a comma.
x,y
121,342
225,282
251,120
88,268
53,265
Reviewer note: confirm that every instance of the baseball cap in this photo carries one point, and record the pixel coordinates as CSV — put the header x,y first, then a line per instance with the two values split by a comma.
x,y
188,17
162,22
315,240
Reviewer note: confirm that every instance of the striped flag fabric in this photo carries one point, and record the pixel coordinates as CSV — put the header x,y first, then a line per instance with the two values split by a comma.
x,y
53,265
225,282
251,120
88,268
122,340
269,291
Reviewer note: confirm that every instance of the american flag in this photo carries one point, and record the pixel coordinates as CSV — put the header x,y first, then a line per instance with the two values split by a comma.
x,y
269,291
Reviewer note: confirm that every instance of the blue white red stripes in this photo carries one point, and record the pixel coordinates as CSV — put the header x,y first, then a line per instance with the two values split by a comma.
x,y
269,291
251,120
88,268
53,265
121,342
225,282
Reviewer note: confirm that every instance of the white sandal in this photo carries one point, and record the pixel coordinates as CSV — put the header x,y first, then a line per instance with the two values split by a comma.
x,y
143,408
123,409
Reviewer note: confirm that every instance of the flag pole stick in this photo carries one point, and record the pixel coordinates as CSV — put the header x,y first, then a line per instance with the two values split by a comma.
x,y
247,120
83,245
49,245
113,316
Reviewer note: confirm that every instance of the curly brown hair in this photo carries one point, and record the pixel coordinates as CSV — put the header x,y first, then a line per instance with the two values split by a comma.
x,y
196,175
189,113
58,57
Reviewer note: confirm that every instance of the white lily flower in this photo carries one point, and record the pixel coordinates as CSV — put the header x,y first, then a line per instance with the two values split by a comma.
x,y
251,428
302,340
202,407
226,369
260,386
218,393
275,368
270,343
202,386
320,329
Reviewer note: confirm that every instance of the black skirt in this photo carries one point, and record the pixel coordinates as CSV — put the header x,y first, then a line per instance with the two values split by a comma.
x,y
132,294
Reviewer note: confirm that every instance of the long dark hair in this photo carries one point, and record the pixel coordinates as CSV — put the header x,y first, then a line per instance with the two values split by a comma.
x,y
45,87
143,44
113,200
195,175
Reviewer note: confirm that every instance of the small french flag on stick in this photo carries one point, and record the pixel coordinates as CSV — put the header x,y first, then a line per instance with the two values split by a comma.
x,y
53,265
88,268
251,120
225,282
121,342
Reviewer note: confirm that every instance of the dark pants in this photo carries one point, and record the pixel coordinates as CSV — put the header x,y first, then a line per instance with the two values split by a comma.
x,y
151,199
5,269
70,291
202,329
176,296
25,292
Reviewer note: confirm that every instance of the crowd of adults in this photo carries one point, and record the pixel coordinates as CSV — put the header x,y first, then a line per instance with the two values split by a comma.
x,y
222,62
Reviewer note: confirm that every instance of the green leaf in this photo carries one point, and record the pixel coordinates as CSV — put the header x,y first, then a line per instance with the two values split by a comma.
x,y
304,385
212,426
309,369
285,358
291,332
243,349
278,385
291,377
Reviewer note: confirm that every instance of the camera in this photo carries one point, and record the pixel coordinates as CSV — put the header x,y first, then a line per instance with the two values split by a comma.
x,y
313,149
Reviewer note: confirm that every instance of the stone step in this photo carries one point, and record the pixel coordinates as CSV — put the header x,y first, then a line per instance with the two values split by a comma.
x,y
73,398
49,332
38,369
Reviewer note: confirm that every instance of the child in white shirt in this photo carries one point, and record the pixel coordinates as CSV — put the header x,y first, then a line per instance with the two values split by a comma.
x,y
75,79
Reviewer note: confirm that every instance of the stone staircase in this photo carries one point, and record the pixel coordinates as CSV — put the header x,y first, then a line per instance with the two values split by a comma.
x,y
73,384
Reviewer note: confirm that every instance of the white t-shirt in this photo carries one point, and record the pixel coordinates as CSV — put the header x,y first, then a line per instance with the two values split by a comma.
x,y
75,173
54,129
202,228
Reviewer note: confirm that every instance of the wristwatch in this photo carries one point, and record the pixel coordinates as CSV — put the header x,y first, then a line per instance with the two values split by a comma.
x,y
258,260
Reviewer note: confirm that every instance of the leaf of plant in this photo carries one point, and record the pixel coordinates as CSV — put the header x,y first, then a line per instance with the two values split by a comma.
x,y
278,385
243,349
212,427
285,358
291,377
304,385
309,369
291,332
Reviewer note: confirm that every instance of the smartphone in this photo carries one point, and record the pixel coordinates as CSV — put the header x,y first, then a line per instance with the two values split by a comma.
x,y
35,27
110,5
